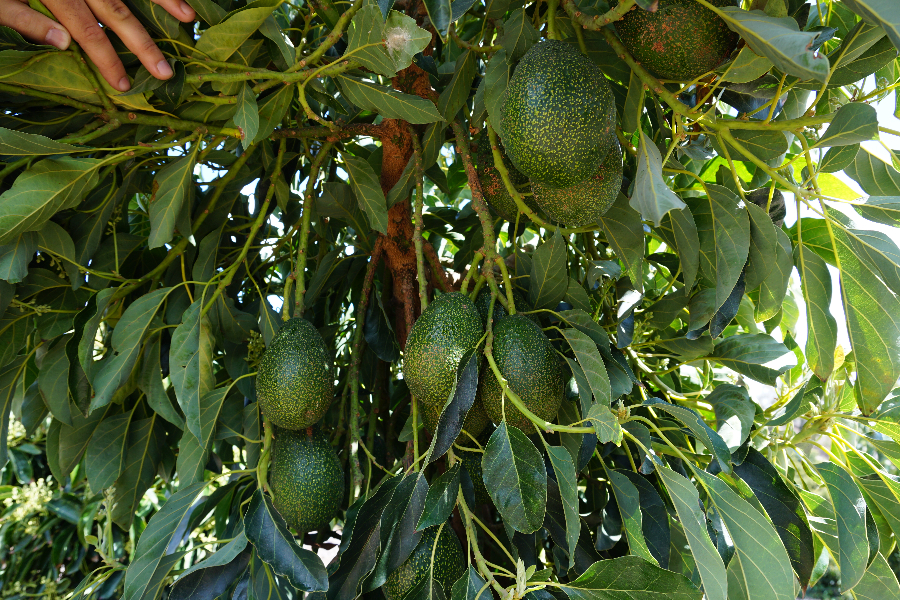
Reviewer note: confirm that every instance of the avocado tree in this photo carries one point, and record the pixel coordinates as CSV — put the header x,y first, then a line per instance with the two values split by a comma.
x,y
405,300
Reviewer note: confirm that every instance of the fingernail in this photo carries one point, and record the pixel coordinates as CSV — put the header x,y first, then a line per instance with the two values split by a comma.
x,y
58,38
124,85
165,71
186,9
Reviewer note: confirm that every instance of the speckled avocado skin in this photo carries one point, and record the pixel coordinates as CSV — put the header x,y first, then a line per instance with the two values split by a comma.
x,y
295,379
305,477
475,422
527,361
448,564
492,186
558,117
585,202
680,41
445,331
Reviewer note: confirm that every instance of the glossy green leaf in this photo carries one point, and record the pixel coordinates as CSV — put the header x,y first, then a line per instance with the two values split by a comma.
x,y
880,209
275,545
853,123
850,512
247,116
367,29
630,578
191,369
469,586
712,440
549,279
272,110
51,185
220,41
734,413
496,79
519,35
883,13
625,232
408,39
764,145
878,582
748,354
53,382
170,209
687,244
627,500
774,286
591,364
515,477
441,499
874,176
457,91
837,158
822,326
367,189
652,198
567,482
105,454
139,471
388,102
748,66
21,143
605,424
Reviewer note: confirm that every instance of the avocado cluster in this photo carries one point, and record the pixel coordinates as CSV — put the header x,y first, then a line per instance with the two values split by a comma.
x,y
681,40
295,387
558,122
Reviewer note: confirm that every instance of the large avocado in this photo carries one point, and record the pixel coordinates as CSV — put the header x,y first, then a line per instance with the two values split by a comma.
x,y
483,304
295,379
682,40
528,362
492,186
558,116
448,564
305,477
585,202
445,331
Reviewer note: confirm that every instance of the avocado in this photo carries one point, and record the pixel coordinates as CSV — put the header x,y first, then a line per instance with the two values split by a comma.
x,y
295,379
558,117
585,202
474,423
446,330
777,210
681,41
305,477
483,304
447,568
493,188
528,362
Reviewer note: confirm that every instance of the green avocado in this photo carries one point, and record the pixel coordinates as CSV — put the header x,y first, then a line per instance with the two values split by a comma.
x,y
305,477
492,186
585,202
474,423
446,330
681,41
528,362
295,379
483,304
448,564
558,117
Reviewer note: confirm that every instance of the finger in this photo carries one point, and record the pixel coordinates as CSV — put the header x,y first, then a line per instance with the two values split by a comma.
x,y
82,24
115,15
32,24
179,9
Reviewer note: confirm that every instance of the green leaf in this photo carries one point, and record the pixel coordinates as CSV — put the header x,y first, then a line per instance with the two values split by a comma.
x,y
9,377
880,253
883,13
519,35
760,560
630,578
567,481
247,116
191,369
469,586
74,440
630,510
272,110
441,499
625,232
873,325
367,189
51,185
126,341
821,325
748,353
389,103
549,278
366,29
879,582
21,143
457,91
873,175
687,504
457,405
605,424
145,446
220,41
734,413
407,39
837,158
712,440
440,14
881,209
213,580
150,553
764,145
515,477
795,407
53,382
850,512
208,11
774,286
687,244
747,67
275,545
783,508
634,104
724,230
496,79
192,458
852,123
53,238
654,514
591,364
172,202
16,255
105,454
652,198
762,246
779,40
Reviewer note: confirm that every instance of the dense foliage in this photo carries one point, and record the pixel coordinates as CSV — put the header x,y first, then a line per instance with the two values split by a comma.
x,y
716,435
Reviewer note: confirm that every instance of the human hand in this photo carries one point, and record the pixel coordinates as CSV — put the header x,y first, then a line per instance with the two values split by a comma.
x,y
79,20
